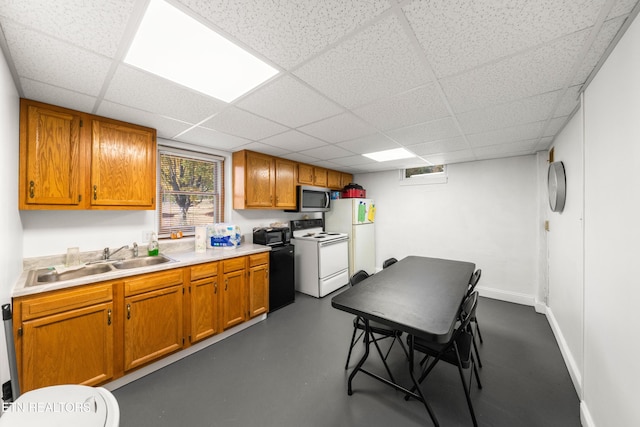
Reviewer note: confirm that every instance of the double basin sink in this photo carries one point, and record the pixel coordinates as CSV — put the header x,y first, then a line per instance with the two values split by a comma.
x,y
42,276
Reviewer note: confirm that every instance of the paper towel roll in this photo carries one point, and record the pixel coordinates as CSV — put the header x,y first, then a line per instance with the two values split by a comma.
x,y
201,239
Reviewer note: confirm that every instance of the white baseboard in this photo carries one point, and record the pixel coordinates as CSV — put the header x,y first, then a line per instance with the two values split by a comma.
x,y
567,355
502,295
146,370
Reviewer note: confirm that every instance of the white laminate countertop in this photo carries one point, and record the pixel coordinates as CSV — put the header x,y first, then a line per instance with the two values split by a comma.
x,y
181,259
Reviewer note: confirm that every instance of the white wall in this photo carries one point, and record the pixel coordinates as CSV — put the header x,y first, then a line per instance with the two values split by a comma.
x,y
612,236
487,213
565,251
10,227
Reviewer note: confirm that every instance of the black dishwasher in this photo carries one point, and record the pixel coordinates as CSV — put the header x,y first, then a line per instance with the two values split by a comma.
x,y
281,265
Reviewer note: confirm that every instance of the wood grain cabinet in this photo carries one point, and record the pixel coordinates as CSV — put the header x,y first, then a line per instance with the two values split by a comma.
x,y
261,181
203,294
258,284
234,292
305,174
65,337
153,310
74,160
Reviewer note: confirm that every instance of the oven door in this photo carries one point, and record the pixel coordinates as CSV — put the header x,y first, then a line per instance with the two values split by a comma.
x,y
333,257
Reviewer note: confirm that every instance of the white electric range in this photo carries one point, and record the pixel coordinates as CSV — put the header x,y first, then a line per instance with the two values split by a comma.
x,y
321,258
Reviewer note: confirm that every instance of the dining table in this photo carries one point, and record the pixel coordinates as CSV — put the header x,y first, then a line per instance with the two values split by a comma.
x,y
419,296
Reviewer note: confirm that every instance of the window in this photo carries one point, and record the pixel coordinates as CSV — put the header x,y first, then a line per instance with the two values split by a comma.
x,y
435,174
191,191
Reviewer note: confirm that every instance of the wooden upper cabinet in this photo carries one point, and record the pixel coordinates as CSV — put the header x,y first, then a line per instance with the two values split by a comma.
x,y
305,174
319,177
260,179
50,157
346,179
74,160
123,165
285,184
334,180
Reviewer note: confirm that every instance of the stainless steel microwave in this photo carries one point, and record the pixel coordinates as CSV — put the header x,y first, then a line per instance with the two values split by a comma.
x,y
313,199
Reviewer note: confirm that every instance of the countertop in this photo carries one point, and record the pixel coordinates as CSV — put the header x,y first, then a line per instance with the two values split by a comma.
x,y
181,259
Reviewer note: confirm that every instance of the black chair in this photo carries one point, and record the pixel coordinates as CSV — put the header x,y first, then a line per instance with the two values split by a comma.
x,y
389,262
475,278
457,351
382,331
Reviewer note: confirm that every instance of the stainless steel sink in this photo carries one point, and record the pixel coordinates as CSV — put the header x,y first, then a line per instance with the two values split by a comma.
x,y
141,262
50,276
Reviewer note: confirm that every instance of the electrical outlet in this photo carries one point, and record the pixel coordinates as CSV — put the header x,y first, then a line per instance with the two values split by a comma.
x,y
146,236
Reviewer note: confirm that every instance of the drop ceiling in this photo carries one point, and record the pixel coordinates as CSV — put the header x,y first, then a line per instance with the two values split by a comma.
x,y
451,81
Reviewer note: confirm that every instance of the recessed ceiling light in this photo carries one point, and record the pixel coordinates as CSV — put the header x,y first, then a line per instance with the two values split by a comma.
x,y
395,154
175,46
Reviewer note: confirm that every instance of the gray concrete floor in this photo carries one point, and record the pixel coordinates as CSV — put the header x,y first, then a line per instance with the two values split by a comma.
x,y
289,371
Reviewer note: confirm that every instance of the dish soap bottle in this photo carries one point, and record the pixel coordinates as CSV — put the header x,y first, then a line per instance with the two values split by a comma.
x,y
153,249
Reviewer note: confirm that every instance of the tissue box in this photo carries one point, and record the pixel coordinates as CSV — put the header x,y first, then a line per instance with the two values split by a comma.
x,y
223,235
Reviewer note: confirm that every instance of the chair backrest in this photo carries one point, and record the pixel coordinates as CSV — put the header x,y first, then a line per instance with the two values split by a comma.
x,y
467,310
358,277
389,262
473,281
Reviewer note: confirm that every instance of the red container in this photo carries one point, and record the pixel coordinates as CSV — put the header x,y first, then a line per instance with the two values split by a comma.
x,y
353,191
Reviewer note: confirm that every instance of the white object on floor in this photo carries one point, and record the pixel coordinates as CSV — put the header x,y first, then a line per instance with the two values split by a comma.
x,y
63,405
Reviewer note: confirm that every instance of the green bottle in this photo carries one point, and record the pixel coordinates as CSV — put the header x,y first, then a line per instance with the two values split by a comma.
x,y
153,249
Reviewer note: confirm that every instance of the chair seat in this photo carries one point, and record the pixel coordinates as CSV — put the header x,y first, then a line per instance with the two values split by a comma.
x,y
463,341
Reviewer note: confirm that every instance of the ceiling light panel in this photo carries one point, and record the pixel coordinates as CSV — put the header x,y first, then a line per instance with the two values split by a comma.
x,y
176,47
388,155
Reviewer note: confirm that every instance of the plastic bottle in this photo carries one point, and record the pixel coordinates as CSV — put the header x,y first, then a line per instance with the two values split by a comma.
x,y
361,211
153,249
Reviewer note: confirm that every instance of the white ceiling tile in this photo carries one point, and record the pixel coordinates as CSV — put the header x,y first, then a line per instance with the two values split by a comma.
x,y
569,101
327,152
534,108
94,25
148,92
369,144
288,32
57,96
289,102
425,132
501,136
45,59
212,138
441,146
508,149
299,157
541,70
544,143
294,141
600,44
353,160
327,164
376,63
460,35
555,125
451,157
621,7
338,128
241,123
166,128
266,149
415,106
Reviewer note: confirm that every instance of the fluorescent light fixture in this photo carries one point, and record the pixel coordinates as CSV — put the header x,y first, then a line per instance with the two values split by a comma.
x,y
386,155
175,46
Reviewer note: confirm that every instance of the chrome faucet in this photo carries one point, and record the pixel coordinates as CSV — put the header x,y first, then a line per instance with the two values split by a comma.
x,y
135,250
106,253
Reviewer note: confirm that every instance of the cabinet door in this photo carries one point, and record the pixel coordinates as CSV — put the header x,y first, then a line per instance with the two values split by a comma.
x,y
346,178
285,184
153,326
73,347
320,177
259,184
50,156
305,174
258,290
123,166
334,179
204,308
233,299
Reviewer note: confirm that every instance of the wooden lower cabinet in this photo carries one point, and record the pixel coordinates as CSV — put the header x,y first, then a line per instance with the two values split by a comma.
x,y
66,337
93,334
153,318
203,294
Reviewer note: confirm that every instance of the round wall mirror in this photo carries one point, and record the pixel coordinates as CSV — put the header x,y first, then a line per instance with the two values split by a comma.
x,y
557,185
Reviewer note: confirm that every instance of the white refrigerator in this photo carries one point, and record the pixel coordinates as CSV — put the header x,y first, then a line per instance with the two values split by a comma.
x,y
356,218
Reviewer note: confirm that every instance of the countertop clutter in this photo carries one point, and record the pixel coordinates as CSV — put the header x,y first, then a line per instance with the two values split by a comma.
x,y
180,252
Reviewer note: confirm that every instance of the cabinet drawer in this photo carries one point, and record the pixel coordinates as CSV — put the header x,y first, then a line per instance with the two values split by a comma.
x,y
233,264
204,270
150,282
58,302
258,259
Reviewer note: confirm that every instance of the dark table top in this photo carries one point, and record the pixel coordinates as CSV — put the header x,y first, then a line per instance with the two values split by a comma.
x,y
416,295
